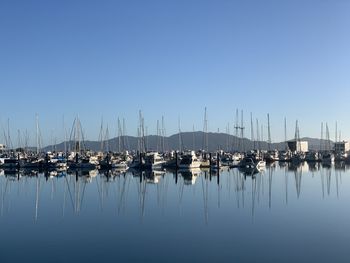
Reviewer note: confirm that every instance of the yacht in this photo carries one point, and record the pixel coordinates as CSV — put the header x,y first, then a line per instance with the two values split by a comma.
x,y
81,162
298,157
250,161
312,156
10,163
189,161
154,160
327,158
31,163
284,156
271,156
340,157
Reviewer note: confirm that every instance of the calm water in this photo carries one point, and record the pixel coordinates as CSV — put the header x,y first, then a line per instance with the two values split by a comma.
x,y
283,214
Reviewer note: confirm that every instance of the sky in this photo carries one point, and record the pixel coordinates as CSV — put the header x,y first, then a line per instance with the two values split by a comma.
x,y
109,59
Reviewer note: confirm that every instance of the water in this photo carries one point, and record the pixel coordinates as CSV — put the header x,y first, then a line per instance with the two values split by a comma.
x,y
283,214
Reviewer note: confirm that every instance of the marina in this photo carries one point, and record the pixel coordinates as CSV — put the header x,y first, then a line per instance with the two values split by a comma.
x,y
230,213
174,131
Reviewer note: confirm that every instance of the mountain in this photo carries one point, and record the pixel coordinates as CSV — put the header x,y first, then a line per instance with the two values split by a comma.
x,y
187,140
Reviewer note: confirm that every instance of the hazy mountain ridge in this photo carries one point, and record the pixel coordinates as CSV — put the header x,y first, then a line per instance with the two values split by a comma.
x,y
185,140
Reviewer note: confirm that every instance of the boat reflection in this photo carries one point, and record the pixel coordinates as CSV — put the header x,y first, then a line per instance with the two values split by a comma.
x,y
153,189
246,171
190,175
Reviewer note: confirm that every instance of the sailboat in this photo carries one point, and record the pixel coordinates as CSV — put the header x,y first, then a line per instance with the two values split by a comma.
x,y
79,158
327,155
298,156
251,161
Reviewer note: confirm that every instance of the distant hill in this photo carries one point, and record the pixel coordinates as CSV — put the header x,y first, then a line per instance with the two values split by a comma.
x,y
185,140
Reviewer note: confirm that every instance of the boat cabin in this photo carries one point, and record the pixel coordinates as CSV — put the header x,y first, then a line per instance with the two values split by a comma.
x,y
298,146
342,147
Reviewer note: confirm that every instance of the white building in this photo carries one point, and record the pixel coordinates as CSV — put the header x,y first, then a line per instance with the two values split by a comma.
x,y
343,146
298,146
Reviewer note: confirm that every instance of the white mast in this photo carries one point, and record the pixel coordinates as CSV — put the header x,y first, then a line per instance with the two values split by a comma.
x,y
285,133
268,131
37,134
252,130
205,131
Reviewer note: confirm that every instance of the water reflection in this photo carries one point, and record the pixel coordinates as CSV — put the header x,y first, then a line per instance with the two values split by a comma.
x,y
157,190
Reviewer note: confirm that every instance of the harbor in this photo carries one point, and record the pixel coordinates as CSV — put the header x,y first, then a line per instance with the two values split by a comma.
x,y
235,212
234,198
232,150
174,131
77,156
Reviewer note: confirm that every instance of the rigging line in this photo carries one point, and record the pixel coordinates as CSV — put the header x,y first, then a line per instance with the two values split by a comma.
x,y
82,196
70,193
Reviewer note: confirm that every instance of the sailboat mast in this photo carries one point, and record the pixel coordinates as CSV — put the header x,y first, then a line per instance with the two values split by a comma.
x,y
321,141
64,136
37,134
158,137
252,131
142,132
236,130
19,141
26,139
106,139
101,136
297,136
268,132
228,137
242,132
285,133
258,134
8,134
193,142
180,141
78,130
336,131
327,138
119,135
205,145
125,139
163,135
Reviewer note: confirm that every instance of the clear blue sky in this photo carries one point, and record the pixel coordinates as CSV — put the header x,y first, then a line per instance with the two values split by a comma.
x,y
173,58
